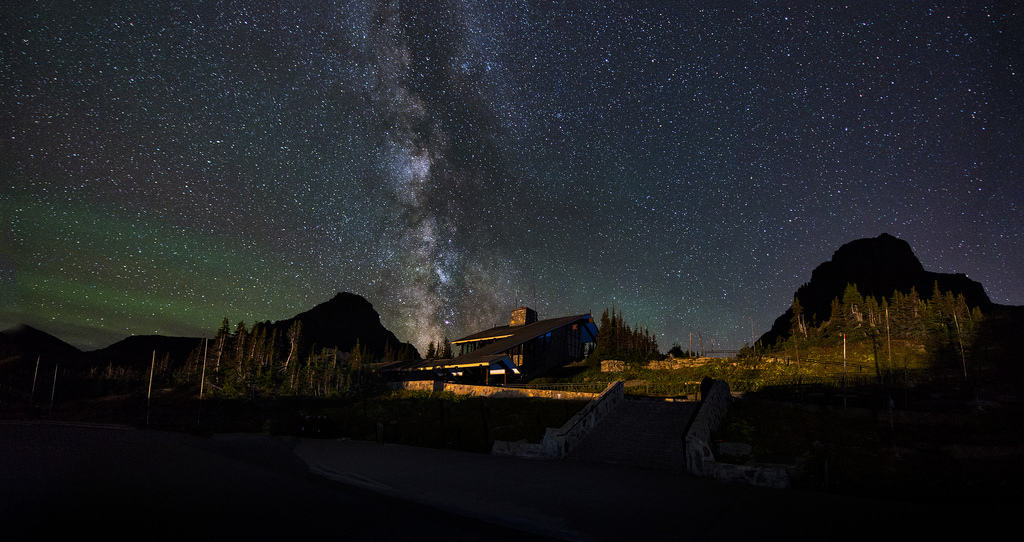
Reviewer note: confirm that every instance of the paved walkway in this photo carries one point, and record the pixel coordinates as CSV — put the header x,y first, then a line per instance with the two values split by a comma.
x,y
581,501
641,433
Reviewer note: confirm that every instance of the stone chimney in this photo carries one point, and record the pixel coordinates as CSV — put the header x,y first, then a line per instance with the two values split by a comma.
x,y
522,316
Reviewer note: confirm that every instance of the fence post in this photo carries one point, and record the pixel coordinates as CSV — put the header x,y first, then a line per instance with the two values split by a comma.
x,y
53,390
149,392
32,397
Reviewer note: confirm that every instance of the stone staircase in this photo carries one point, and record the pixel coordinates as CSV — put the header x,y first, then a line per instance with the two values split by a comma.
x,y
640,433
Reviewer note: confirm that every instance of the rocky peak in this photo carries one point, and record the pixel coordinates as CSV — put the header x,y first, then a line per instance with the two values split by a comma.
x,y
878,266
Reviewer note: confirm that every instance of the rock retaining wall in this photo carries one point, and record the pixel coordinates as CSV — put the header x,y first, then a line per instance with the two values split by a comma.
x,y
488,391
557,443
700,461
677,363
613,366
667,364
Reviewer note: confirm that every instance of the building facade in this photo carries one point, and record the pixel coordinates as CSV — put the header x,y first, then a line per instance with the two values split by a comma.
x,y
526,347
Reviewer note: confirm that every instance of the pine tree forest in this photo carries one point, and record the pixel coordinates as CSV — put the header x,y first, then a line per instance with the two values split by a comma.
x,y
267,360
894,334
618,340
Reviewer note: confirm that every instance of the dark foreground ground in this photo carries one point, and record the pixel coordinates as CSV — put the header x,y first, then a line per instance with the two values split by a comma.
x,y
123,483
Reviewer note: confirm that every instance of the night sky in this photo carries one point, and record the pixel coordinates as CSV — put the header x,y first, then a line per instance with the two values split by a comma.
x,y
165,166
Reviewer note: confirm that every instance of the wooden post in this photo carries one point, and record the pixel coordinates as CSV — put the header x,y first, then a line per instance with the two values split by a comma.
x,y
202,382
53,390
202,378
960,339
844,370
888,337
35,375
149,391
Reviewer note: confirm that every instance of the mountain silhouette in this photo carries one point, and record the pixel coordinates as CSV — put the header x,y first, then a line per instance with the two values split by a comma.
x,y
878,266
22,345
340,322
23,340
337,323
137,350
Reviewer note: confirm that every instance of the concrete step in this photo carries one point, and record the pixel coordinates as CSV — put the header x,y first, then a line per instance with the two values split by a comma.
x,y
641,433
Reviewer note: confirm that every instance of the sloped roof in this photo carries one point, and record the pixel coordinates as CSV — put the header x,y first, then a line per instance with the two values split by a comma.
x,y
512,336
493,333
507,337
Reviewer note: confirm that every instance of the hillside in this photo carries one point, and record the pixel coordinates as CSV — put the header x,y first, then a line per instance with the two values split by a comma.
x,y
26,340
22,345
313,349
137,350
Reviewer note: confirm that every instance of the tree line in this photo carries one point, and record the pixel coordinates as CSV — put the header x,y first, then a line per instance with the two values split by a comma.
x,y
439,350
944,325
272,360
618,340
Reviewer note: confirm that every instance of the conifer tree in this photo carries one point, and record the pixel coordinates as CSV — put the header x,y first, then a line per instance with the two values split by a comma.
x,y
357,358
241,342
798,323
223,333
618,340
853,305
294,335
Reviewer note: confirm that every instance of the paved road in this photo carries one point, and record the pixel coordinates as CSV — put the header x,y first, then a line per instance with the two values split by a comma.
x,y
128,484
585,501
136,484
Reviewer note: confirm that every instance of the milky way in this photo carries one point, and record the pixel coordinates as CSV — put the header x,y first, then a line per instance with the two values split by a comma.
x,y
168,164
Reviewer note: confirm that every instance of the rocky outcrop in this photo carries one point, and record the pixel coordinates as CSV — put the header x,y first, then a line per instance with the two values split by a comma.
x,y
878,266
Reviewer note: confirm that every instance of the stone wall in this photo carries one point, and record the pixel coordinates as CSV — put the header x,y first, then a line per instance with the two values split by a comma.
x,y
700,461
488,391
557,443
667,364
677,363
710,413
613,366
